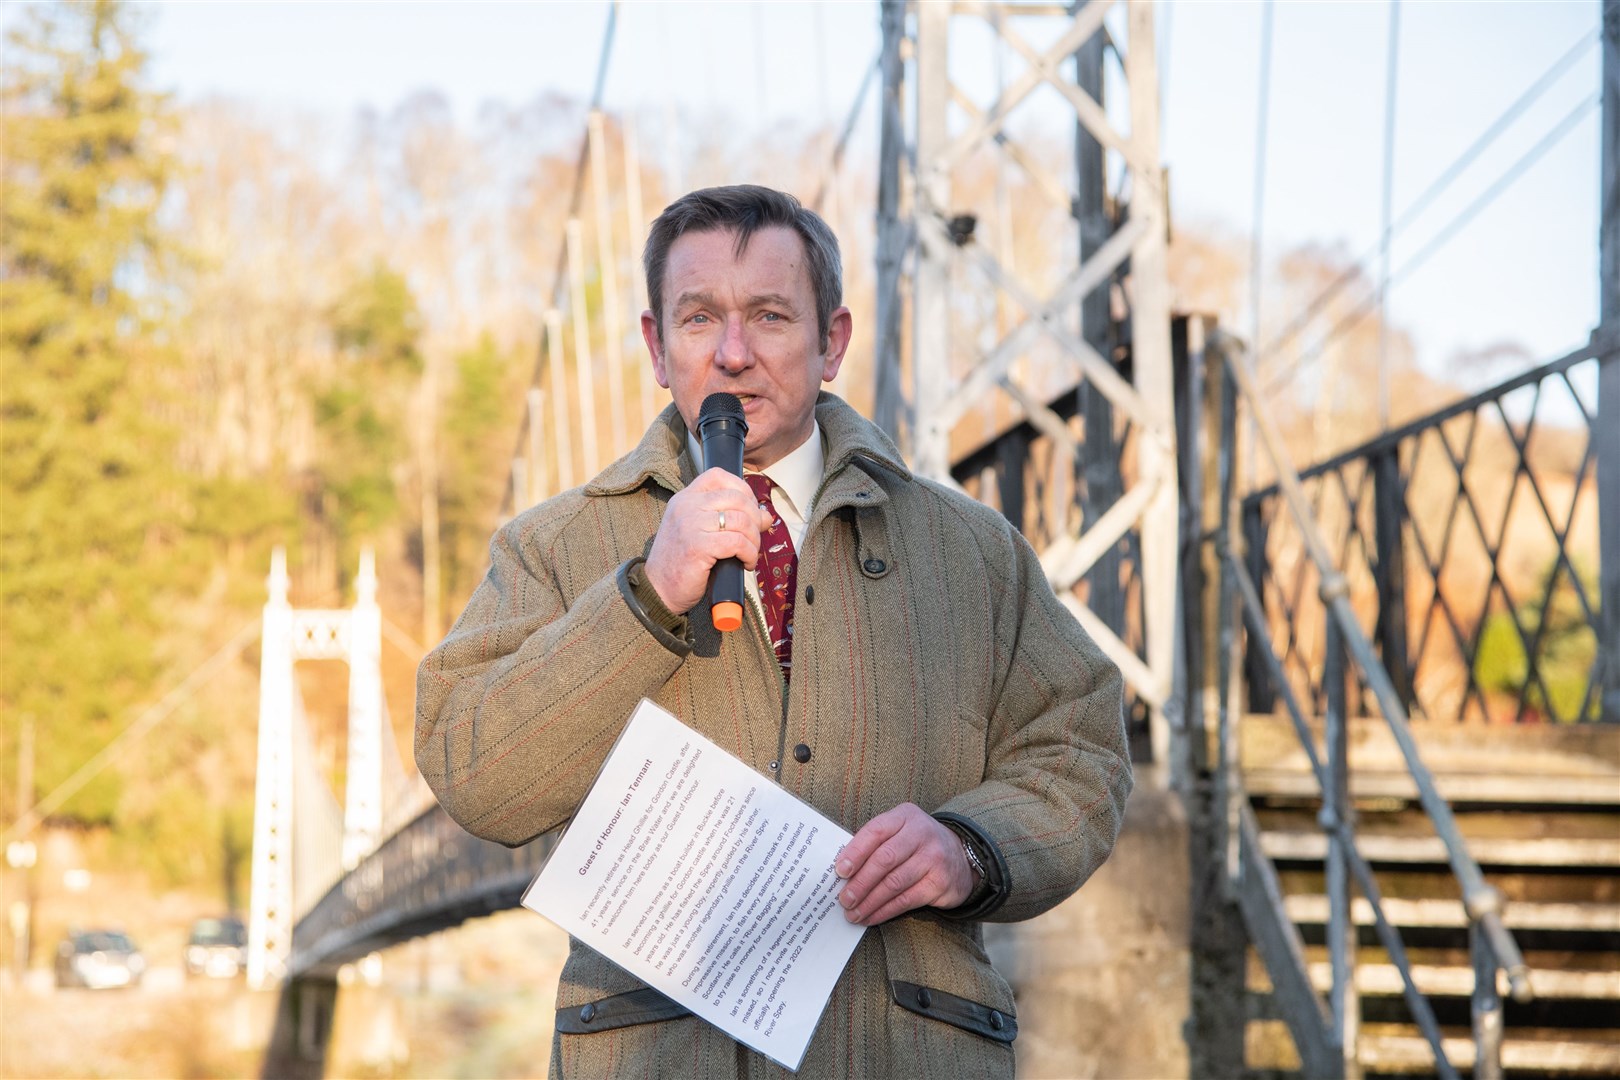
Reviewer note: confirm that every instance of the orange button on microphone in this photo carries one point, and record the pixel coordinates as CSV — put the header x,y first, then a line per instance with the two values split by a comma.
x,y
727,615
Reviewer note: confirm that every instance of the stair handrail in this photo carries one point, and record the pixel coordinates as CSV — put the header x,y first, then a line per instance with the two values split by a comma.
x,y
1492,944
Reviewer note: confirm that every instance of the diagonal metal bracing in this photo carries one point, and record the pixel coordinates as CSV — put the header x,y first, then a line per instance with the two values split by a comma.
x,y
1046,475
1041,69
1055,191
1046,316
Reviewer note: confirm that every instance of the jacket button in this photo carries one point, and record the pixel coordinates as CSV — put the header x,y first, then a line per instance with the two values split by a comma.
x,y
874,566
801,753
588,1013
996,1021
924,998
809,594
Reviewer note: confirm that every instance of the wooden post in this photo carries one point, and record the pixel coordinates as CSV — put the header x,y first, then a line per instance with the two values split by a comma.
x,y
1012,460
1150,368
1103,484
584,367
1217,938
892,240
1256,672
931,374
562,437
1606,435
637,238
1389,506
607,268
534,490
1336,822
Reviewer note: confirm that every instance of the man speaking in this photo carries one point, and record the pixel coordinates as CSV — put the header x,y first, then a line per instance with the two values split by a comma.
x,y
901,664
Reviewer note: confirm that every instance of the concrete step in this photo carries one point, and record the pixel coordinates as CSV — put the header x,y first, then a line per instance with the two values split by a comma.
x,y
1387,1048
1458,981
1521,885
1584,852
1449,914
1493,788
1396,1049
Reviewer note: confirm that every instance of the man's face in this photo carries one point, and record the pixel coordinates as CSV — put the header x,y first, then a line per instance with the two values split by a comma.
x,y
746,326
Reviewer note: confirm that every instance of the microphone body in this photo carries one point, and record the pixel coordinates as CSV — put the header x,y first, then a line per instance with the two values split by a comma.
x,y
722,432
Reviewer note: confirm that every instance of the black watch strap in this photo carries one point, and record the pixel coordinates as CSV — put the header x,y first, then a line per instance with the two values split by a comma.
x,y
991,891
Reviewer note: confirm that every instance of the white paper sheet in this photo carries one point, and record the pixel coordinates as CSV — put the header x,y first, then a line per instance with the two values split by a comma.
x,y
707,881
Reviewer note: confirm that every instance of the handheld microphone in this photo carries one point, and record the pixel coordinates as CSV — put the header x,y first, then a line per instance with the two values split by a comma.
x,y
722,430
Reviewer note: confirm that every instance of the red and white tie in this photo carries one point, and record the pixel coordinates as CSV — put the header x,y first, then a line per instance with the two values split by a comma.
x,y
778,573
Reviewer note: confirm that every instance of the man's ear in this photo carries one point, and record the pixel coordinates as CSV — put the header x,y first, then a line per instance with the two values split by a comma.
x,y
839,329
655,347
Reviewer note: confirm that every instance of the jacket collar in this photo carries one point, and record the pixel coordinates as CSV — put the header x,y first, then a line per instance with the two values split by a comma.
x,y
662,457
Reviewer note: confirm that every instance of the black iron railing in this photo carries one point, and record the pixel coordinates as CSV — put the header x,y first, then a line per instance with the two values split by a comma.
x,y
1337,563
1468,541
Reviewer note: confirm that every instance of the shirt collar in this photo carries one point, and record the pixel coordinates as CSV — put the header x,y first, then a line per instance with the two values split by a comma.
x,y
797,475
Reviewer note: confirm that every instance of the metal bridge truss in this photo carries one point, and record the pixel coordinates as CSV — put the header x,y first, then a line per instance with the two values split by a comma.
x,y
1058,332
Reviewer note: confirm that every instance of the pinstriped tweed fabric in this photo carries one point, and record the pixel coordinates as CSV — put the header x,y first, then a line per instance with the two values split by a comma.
x,y
933,665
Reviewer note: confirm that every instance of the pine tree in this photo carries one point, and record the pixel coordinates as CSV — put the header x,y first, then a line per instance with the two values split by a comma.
x,y
90,519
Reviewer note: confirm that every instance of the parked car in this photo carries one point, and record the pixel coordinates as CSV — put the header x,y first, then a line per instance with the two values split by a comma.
x,y
218,948
99,960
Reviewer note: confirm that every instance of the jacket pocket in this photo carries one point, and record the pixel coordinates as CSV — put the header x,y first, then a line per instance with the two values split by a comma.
x,y
969,1015
939,969
644,1006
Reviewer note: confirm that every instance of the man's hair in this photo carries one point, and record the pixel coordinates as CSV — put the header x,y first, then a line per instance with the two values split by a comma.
x,y
745,209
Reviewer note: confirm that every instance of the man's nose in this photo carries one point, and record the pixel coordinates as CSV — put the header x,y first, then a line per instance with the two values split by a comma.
x,y
733,352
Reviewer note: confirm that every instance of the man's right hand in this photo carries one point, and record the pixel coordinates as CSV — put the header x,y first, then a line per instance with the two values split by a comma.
x,y
690,541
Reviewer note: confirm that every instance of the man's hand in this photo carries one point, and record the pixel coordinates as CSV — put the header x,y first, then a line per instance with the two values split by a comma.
x,y
690,540
898,861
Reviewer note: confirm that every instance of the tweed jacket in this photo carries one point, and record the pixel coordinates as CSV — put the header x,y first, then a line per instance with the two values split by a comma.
x,y
931,664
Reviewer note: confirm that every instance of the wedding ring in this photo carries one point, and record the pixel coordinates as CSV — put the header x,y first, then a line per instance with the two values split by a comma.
x,y
722,528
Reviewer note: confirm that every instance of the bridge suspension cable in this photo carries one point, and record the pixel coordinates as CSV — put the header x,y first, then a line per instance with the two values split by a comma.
x,y
1392,68
1436,188
1440,239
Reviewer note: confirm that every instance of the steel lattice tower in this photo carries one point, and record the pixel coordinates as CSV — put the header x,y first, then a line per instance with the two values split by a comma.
x,y
1046,351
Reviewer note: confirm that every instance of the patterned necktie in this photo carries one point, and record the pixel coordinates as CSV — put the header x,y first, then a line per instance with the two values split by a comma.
x,y
778,573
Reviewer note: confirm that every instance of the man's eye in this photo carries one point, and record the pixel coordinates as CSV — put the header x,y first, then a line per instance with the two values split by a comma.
x,y
698,318
771,316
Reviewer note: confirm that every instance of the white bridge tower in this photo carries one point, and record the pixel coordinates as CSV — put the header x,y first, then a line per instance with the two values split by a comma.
x,y
355,636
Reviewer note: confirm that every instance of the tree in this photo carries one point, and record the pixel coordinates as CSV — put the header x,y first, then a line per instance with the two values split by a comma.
x,y
360,409
92,507
476,443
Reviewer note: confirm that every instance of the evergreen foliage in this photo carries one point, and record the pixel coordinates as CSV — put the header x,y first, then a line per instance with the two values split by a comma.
x,y
361,409
478,425
93,510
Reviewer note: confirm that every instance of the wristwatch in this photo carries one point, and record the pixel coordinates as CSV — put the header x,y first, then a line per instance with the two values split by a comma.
x,y
989,890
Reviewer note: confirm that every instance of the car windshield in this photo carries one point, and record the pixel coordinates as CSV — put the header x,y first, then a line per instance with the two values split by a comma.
x,y
104,941
218,932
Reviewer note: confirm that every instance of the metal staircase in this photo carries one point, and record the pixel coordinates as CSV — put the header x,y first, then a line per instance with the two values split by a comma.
x,y
1539,808
1421,898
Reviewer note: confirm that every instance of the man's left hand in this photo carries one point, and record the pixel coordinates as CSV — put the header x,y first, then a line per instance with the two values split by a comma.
x,y
901,860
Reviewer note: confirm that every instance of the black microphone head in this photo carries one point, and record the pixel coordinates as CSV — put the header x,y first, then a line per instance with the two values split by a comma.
x,y
721,406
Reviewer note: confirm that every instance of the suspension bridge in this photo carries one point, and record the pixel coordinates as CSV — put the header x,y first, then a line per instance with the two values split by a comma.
x,y
1419,850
